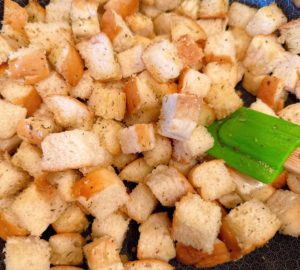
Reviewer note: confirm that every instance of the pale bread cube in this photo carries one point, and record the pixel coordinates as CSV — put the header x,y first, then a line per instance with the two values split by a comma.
x,y
36,13
166,5
262,107
230,200
10,145
27,253
140,25
289,33
168,185
206,116
123,7
14,37
291,113
155,240
242,41
293,182
213,9
183,168
58,11
149,264
84,87
240,14
213,26
150,10
189,8
196,222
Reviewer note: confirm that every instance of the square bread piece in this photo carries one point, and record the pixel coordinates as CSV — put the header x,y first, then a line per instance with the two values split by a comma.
x,y
148,264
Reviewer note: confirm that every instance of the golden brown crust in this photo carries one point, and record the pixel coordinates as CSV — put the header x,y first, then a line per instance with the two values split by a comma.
x,y
14,15
132,95
280,181
142,133
187,254
123,7
109,25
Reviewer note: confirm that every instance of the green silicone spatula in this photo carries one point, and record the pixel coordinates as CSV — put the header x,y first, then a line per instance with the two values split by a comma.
x,y
257,144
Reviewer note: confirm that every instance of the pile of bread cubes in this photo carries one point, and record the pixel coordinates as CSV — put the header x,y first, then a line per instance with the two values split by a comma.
x,y
97,93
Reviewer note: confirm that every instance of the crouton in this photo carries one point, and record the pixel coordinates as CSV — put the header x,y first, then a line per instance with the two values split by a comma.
x,y
15,38
141,203
206,115
230,200
84,19
149,264
10,145
194,83
36,128
215,99
291,113
38,206
29,158
141,25
271,92
166,5
66,249
252,82
293,182
115,226
263,54
123,7
58,11
150,10
190,229
5,49
189,8
19,94
84,87
285,204
220,48
162,61
252,224
99,58
10,116
48,35
210,9
14,15
101,192
168,185
163,22
36,13
135,171
137,138
212,179
59,148
289,34
266,20
213,26
240,14
183,168
65,268
242,41
27,252
54,84
28,64
179,115
262,107
103,253
155,241
121,160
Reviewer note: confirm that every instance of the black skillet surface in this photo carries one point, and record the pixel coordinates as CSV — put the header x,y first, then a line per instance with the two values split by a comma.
x,y
281,253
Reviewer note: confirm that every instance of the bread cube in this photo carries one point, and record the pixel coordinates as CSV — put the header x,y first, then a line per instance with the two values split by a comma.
x,y
162,23
200,142
15,38
84,19
101,192
14,15
252,224
168,185
150,10
84,87
166,5
10,116
252,82
65,268
183,168
103,253
262,107
66,249
70,113
10,145
291,113
27,253
196,223
242,41
293,182
121,160
194,82
5,49
155,240
36,12
213,9
99,58
137,138
266,20
189,8
123,7
289,34
149,264
58,11
115,226
240,14
230,200
179,115
162,61
213,26
207,115
141,25
38,206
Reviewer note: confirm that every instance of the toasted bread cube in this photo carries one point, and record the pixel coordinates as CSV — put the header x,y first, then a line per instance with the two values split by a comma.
x,y
48,35
291,113
27,252
65,268
252,82
150,10
220,48
29,158
252,224
213,9
115,226
103,253
183,168
168,185
230,200
242,42
206,116
38,206
213,26
166,5
58,11
66,249
12,179
289,33
101,192
148,264
14,15
263,55
179,115
240,14
200,142
194,82
10,116
141,203
5,49
196,223
70,113
215,99
123,7
10,145
189,8
15,38
155,240
266,20
121,160
137,138
262,107
285,204
36,13
293,182
162,23
162,61
141,25
84,87
84,19
213,179
99,58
